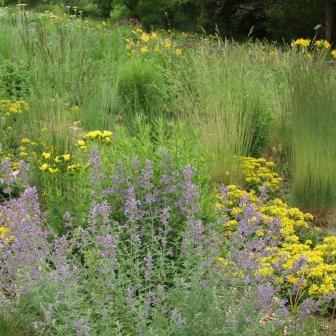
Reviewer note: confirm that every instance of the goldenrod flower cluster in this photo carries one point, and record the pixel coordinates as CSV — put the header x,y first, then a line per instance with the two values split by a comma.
x,y
259,172
4,234
103,137
317,276
145,43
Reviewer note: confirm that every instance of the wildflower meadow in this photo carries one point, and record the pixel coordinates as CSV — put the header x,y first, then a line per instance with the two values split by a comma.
x,y
162,182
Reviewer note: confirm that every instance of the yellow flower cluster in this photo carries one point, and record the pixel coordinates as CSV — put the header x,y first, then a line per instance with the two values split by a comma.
x,y
102,136
318,274
145,43
26,147
50,162
53,164
4,234
259,172
322,44
301,42
9,107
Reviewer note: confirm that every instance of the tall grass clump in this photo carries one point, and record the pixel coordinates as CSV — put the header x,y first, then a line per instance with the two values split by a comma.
x,y
222,93
310,119
142,89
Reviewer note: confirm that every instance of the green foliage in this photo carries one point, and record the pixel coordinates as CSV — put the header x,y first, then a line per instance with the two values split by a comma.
x,y
14,80
141,88
104,7
6,329
120,12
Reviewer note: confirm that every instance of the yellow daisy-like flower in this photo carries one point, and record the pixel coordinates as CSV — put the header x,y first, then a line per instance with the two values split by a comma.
x,y
333,53
144,50
266,272
168,44
25,141
3,230
4,234
301,42
46,155
260,233
322,44
145,37
53,170
44,166
313,289
81,143
218,205
106,134
73,167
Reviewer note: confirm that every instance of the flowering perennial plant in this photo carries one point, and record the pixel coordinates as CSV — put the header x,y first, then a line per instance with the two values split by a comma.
x,y
8,107
301,42
53,164
103,137
294,257
322,44
260,176
319,45
153,43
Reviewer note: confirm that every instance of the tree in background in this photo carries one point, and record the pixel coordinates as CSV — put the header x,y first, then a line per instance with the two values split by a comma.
x,y
178,14
104,7
235,17
273,19
288,19
330,15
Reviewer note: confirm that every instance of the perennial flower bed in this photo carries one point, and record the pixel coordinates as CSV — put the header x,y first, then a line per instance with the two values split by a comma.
x,y
113,141
296,256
